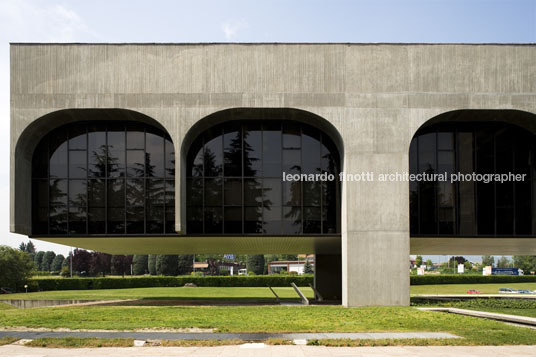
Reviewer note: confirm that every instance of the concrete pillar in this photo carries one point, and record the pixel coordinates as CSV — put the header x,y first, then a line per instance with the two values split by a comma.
x,y
328,276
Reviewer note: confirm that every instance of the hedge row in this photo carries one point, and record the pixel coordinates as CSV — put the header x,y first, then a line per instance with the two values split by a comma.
x,y
244,281
165,281
470,279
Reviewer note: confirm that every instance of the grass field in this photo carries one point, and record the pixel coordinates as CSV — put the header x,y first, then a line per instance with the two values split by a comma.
x,y
271,319
462,288
208,293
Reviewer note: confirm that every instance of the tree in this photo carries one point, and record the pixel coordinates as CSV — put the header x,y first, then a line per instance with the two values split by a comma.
x,y
57,263
81,261
289,257
454,261
38,259
47,261
100,263
488,260
151,264
120,264
255,264
429,263
30,247
418,260
308,268
167,265
503,262
15,267
468,266
139,264
526,262
185,264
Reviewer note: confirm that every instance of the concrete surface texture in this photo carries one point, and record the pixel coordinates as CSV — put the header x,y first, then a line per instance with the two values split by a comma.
x,y
275,351
375,96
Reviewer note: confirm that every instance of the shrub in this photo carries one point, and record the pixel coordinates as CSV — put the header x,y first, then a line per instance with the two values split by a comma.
x,y
469,279
167,281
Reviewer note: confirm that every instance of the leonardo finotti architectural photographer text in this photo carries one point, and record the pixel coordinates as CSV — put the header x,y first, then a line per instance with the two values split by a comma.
x,y
405,176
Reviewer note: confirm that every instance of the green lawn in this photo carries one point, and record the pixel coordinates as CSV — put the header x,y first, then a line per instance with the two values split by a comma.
x,y
502,306
231,293
462,288
271,319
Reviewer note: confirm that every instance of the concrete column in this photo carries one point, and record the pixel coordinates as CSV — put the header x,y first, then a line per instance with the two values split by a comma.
x,y
328,276
375,233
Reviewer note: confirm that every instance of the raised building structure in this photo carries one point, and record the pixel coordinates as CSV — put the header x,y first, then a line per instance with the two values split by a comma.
x,y
181,148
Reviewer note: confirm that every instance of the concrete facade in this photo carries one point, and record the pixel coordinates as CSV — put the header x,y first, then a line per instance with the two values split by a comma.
x,y
375,96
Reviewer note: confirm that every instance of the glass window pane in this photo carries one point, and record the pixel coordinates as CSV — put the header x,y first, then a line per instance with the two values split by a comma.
x,y
195,159
170,219
77,137
272,219
116,193
155,155
194,194
445,162
58,154
252,150
311,220
253,220
77,164
97,153
96,193
291,136
116,151
155,218
311,152
427,151
135,137
155,191
96,221
135,220
292,193
232,146
330,157
116,220
213,220
292,161
271,192
233,220
213,156
77,197
170,193
233,192
291,220
135,163
135,192
58,206
311,193
329,221
252,192
213,192
170,159
194,218
40,160
445,141
271,143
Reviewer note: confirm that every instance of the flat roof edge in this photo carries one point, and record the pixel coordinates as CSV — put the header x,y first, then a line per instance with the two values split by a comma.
x,y
268,43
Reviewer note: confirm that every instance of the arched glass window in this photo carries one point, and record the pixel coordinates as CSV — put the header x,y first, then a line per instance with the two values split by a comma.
x,y
473,208
97,178
235,185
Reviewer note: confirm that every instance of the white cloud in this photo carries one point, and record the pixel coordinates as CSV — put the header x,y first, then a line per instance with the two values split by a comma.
x,y
231,29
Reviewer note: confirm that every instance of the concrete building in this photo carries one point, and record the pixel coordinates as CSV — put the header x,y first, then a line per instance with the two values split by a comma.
x,y
179,148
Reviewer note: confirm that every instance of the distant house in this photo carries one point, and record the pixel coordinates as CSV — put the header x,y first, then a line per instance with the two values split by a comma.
x,y
297,266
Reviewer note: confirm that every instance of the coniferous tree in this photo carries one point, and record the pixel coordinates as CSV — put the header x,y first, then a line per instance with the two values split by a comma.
x,y
308,268
255,264
167,265
185,264
151,264
140,264
57,263
48,257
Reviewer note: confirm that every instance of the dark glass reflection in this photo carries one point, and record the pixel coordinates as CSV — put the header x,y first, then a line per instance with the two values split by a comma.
x,y
104,178
235,186
473,208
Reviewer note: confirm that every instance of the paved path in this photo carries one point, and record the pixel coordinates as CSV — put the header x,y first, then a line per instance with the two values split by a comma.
x,y
259,350
487,315
225,336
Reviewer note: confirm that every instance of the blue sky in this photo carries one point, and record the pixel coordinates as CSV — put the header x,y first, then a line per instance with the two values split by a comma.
x,y
459,21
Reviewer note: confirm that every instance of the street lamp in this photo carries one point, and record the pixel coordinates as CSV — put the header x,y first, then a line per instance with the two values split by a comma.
x,y
26,287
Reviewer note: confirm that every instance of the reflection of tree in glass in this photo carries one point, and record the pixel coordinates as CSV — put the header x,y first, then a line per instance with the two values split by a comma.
x,y
58,206
331,192
294,200
248,160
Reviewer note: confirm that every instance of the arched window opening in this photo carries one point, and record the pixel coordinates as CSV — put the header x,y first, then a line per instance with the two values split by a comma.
x,y
235,185
103,178
473,208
